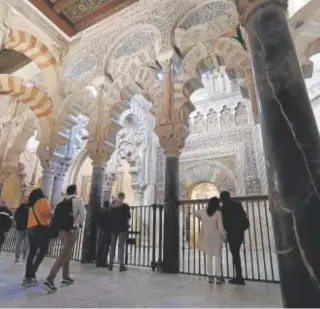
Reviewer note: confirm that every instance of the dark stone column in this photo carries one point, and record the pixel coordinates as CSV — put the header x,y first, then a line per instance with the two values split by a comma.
x,y
1,187
171,216
95,201
292,149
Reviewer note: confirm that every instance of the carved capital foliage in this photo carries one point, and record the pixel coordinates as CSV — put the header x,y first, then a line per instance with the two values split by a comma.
x,y
247,7
171,138
103,128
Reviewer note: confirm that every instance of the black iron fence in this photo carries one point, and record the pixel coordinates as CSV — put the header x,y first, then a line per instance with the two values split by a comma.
x,y
145,241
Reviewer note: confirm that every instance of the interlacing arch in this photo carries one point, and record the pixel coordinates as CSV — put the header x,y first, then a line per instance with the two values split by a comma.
x,y
30,94
33,48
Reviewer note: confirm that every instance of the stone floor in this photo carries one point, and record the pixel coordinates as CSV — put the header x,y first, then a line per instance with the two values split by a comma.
x,y
138,287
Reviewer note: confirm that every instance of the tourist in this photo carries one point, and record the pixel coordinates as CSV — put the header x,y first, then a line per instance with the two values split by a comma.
x,y
211,237
5,222
69,216
119,218
38,234
235,222
21,219
104,238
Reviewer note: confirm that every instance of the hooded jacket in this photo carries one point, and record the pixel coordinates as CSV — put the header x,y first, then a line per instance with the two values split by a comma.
x,y
119,217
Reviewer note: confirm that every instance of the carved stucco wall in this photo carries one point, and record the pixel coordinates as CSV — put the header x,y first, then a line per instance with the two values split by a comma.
x,y
223,148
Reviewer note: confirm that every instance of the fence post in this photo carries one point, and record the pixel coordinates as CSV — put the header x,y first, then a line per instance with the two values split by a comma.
x,y
154,230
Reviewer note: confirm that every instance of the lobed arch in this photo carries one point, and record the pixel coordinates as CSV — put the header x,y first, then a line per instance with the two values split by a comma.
x,y
29,45
208,171
133,83
194,22
137,45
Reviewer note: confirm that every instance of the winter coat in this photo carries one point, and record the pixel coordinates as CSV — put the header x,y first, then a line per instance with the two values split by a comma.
x,y
119,217
212,233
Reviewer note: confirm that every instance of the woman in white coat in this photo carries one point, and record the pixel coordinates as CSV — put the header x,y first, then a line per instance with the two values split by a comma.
x,y
211,237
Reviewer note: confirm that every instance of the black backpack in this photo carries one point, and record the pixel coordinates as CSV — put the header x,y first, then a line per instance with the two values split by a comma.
x,y
63,216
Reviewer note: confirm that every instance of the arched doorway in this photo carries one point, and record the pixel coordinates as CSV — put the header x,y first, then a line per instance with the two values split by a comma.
x,y
199,191
203,190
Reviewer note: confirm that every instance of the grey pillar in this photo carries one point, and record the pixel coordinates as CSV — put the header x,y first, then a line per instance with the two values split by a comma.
x,y
95,202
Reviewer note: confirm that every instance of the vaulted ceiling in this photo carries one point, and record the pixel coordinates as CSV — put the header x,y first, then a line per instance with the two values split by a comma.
x,y
72,16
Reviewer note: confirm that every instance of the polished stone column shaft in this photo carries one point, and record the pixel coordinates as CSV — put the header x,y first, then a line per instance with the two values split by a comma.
x,y
95,201
292,150
56,196
48,175
171,216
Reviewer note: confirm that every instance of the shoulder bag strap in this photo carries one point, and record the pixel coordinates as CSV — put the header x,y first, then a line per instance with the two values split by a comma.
x,y
36,217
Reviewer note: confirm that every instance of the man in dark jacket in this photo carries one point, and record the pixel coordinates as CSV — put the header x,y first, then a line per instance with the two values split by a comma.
x,y
104,238
5,222
119,219
21,219
235,223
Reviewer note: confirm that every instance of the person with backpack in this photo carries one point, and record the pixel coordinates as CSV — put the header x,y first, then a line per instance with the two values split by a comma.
x,y
104,239
5,222
119,226
235,222
38,227
68,217
21,219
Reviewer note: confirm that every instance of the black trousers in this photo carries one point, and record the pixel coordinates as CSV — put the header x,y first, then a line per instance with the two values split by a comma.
x,y
103,246
38,248
235,242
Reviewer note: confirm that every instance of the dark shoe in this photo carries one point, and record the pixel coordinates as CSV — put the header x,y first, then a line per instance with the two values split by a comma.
x,y
123,268
110,267
67,281
220,280
49,286
238,281
211,279
29,282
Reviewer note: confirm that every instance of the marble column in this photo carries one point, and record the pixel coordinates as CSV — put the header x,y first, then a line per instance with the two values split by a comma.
x,y
171,215
58,184
95,203
48,175
292,149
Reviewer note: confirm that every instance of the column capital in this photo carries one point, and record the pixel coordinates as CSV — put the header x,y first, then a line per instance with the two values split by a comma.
x,y
171,138
247,7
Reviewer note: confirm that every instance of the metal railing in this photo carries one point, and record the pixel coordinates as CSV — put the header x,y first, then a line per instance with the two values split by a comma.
x,y
145,241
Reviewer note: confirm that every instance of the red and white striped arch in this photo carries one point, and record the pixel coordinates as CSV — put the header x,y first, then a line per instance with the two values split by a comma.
x,y
33,48
37,99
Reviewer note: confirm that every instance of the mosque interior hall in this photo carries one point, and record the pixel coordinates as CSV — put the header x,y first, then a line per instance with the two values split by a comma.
x,y
171,103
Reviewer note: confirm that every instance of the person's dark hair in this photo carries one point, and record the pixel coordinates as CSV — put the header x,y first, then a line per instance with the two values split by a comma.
x,y
72,189
121,196
225,196
106,204
35,195
213,206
